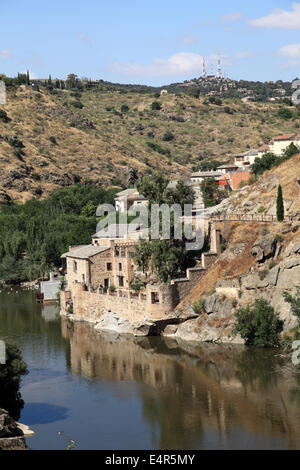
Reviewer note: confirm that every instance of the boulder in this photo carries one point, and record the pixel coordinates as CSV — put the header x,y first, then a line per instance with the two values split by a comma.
x,y
270,279
292,263
8,426
264,248
210,303
112,322
170,330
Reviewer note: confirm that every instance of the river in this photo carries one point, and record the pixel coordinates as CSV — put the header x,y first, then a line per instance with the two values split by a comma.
x,y
109,392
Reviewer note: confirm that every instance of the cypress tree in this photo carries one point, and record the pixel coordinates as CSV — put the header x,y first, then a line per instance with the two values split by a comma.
x,y
28,78
280,206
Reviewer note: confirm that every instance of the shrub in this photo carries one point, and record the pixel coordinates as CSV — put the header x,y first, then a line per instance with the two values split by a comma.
x,y
70,309
272,264
53,139
124,108
258,325
168,136
10,379
198,306
156,106
228,110
261,210
278,238
3,116
285,113
76,104
112,288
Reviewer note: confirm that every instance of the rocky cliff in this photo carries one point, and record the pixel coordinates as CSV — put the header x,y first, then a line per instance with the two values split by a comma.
x,y
259,260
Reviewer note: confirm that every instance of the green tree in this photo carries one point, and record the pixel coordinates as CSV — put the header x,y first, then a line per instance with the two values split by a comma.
x,y
294,302
280,205
156,106
10,378
258,325
142,254
285,113
153,188
89,210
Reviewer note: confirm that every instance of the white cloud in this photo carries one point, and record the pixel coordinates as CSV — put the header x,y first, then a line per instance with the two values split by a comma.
x,y
281,19
5,54
291,64
291,50
188,40
233,16
181,63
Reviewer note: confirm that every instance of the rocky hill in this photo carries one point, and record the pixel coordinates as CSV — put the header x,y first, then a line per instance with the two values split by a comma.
x,y
259,260
51,138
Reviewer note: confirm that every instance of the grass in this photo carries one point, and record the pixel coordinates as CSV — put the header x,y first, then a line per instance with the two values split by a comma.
x,y
199,131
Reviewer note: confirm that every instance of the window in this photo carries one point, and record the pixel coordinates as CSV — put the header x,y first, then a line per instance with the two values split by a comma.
x,y
108,266
106,282
120,266
121,281
75,266
154,298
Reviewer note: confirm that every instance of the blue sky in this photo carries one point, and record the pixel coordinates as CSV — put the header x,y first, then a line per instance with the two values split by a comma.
x,y
155,43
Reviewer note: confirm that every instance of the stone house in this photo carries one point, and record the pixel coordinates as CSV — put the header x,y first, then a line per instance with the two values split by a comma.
x,y
124,200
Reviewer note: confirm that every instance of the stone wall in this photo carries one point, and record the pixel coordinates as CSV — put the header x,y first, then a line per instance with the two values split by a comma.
x,y
89,305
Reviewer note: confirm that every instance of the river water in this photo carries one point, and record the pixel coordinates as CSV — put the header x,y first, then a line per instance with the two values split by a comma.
x,y
110,392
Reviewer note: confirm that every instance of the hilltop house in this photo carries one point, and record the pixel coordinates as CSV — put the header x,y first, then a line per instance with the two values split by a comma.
x,y
124,200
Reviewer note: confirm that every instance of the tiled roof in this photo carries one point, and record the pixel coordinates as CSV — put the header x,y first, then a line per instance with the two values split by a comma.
x,y
264,147
251,152
126,192
284,137
84,251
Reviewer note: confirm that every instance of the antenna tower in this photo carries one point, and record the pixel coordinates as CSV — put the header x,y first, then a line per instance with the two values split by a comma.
x,y
219,66
204,68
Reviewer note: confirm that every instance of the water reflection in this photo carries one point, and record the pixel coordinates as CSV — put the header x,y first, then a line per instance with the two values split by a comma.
x,y
194,393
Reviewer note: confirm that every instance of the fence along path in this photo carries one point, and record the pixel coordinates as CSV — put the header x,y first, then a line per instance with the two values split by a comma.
x,y
236,217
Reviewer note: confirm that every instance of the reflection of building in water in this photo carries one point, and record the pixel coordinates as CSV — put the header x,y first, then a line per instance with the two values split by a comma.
x,y
50,312
189,390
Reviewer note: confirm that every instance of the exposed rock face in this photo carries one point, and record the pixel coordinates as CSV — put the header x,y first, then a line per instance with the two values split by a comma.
x,y
265,280
11,436
112,322
8,426
264,248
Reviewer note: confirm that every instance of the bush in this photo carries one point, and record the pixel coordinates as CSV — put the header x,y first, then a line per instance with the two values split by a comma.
x,y
3,116
156,106
258,325
10,379
168,136
53,139
285,113
76,104
198,306
124,108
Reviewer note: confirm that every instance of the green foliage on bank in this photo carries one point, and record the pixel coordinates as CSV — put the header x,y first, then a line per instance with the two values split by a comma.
x,y
34,235
10,379
270,160
258,324
166,259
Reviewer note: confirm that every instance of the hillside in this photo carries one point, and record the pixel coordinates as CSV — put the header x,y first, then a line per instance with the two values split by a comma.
x,y
259,260
63,136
